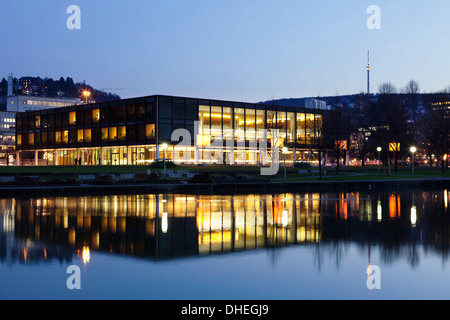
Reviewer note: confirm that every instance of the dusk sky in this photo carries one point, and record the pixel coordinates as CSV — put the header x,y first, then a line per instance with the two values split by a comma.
x,y
241,50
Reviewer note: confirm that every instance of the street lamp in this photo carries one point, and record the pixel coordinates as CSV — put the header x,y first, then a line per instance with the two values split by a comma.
x,y
86,94
413,150
284,150
164,146
379,150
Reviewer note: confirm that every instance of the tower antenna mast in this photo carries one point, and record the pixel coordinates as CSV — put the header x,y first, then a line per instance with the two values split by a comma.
x,y
368,72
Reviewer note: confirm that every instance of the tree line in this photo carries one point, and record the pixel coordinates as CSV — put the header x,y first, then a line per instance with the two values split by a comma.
x,y
396,120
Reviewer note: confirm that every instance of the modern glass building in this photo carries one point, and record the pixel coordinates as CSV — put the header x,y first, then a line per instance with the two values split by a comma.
x,y
139,131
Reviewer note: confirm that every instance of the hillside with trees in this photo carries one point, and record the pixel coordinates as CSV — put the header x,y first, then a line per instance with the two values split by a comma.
x,y
48,87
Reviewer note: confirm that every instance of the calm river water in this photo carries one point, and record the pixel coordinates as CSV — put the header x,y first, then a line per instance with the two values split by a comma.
x,y
356,245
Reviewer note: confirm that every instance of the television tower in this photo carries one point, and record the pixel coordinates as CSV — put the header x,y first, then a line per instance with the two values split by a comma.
x,y
368,72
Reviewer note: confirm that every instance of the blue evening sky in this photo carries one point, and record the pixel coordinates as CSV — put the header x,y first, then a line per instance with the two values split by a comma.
x,y
243,50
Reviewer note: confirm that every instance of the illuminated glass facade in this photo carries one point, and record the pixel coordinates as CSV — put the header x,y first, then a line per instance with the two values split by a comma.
x,y
132,132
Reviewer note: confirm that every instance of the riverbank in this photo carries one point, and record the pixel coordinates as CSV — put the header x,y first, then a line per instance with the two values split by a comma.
x,y
184,187
84,180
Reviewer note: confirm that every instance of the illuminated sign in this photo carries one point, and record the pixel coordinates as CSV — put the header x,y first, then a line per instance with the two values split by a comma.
x,y
394,146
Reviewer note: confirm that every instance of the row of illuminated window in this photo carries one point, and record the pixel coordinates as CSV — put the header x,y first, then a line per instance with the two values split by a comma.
x,y
7,138
47,103
37,120
109,134
105,115
215,121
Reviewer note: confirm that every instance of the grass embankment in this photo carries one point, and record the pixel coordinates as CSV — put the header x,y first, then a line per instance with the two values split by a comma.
x,y
61,173
366,174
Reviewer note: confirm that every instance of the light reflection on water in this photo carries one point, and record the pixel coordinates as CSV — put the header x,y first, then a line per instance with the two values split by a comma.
x,y
287,246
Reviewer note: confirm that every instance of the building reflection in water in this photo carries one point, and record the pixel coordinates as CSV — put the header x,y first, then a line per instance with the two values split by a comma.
x,y
161,226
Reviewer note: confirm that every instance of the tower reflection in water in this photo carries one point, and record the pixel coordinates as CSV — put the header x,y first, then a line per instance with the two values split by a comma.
x,y
162,226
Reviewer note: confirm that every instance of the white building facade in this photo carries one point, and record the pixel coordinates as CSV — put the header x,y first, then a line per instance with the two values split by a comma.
x,y
28,103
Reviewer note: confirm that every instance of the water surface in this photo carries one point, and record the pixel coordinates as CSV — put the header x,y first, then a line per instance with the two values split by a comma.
x,y
274,246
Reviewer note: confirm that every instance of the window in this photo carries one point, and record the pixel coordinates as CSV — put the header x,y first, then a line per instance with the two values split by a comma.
x,y
104,115
122,114
130,134
112,115
131,110
104,134
191,111
121,134
96,135
65,119
80,117
227,123
290,127
140,111
204,117
112,133
19,139
72,118
51,138
165,110
310,128
150,131
37,138
19,123
72,136
30,122
80,136
87,135
38,121
301,128
31,139
140,133
58,137
239,123
216,123
178,111
250,122
87,117
95,115
165,131
150,111
271,119
65,136
282,125
58,119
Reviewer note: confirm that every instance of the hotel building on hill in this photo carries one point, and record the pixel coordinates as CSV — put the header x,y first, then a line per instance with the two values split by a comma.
x,y
134,131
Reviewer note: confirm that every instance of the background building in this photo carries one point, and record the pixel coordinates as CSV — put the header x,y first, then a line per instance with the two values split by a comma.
x,y
7,137
27,103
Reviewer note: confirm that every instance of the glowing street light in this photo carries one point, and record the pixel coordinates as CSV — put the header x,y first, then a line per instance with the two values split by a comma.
x,y
413,151
86,94
379,150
